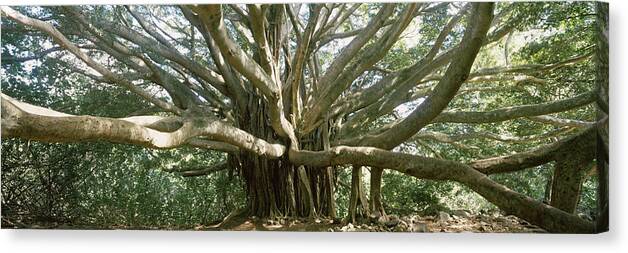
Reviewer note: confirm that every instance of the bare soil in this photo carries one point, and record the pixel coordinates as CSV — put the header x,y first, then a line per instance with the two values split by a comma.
x,y
476,223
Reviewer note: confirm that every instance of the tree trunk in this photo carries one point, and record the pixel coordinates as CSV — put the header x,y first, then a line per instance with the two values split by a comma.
x,y
570,170
276,187
602,159
377,208
602,219
358,204
569,174
547,195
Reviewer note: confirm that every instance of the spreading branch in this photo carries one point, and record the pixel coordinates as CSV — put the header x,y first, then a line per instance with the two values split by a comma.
x,y
67,44
514,112
196,171
457,72
585,140
36,123
550,218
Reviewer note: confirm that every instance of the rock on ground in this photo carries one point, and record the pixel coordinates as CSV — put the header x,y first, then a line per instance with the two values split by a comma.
x,y
462,221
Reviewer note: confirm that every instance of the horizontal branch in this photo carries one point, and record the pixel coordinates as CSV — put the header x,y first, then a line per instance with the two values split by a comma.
x,y
531,68
561,122
584,140
38,55
514,112
535,212
492,74
36,123
195,172
505,114
214,145
441,137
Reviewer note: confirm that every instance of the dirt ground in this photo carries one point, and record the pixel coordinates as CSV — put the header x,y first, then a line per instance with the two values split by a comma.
x,y
416,223
443,222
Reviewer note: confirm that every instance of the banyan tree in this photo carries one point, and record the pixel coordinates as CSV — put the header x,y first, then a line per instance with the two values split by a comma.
x,y
291,93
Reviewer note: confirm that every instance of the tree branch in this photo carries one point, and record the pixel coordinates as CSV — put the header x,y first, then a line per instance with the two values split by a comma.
x,y
514,112
361,62
441,137
23,120
391,91
320,101
212,18
64,42
195,172
583,140
446,89
561,122
172,54
234,85
298,62
545,216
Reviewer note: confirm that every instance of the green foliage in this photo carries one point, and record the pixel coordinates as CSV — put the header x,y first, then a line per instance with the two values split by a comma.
x,y
531,182
100,184
104,184
544,33
406,195
588,198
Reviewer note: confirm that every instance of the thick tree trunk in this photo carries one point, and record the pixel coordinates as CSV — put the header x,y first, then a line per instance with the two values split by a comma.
x,y
569,174
602,158
602,219
358,204
570,170
276,187
376,206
